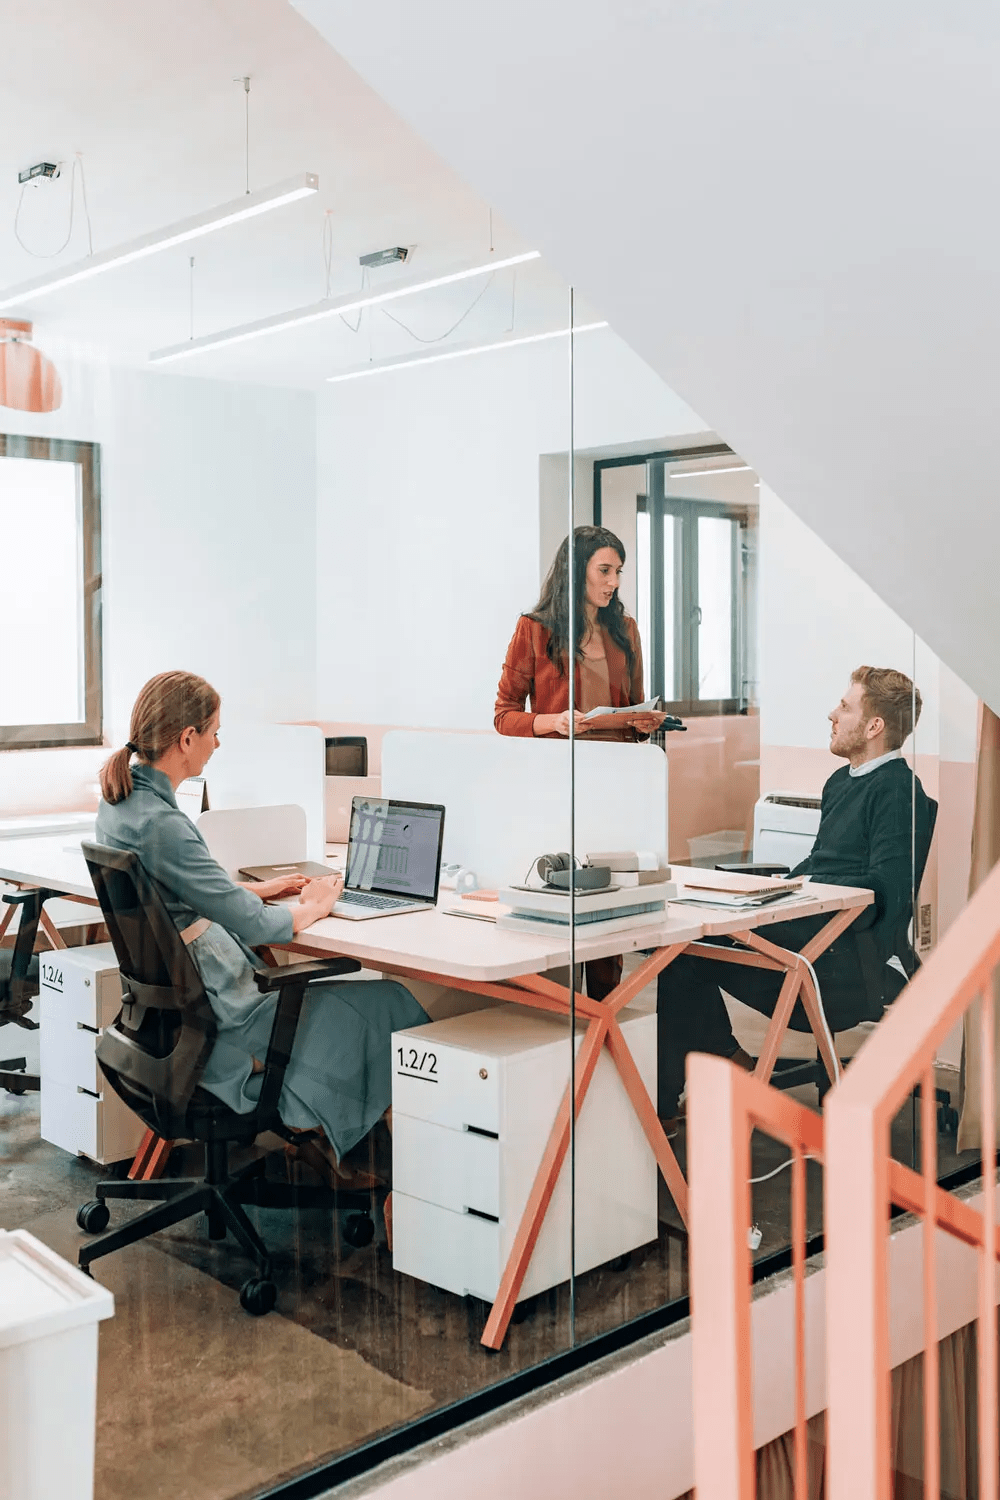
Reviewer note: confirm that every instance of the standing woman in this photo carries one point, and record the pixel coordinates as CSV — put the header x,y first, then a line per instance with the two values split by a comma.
x,y
607,658
338,1082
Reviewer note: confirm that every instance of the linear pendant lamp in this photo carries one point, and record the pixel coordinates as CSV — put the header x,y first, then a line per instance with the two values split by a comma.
x,y
706,473
328,308
248,206
406,363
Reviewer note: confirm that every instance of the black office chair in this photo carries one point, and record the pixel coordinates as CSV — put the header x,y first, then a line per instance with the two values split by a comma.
x,y
884,982
19,985
153,1057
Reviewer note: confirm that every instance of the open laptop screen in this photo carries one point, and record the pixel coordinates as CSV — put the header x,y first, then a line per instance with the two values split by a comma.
x,y
395,847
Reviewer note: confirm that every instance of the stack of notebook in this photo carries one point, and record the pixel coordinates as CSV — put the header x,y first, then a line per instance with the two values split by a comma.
x,y
742,892
540,909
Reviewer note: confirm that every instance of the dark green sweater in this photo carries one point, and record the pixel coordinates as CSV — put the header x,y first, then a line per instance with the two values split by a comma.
x,y
868,828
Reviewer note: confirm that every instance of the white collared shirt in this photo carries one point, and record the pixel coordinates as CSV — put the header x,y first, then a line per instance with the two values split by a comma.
x,y
873,765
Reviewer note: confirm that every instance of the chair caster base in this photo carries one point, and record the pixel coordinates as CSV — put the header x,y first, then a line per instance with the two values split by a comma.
x,y
358,1231
93,1217
258,1296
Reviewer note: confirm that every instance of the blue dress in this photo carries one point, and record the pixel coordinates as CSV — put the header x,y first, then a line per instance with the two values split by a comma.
x,y
338,1077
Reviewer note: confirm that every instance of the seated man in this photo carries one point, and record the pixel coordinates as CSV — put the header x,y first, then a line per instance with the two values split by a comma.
x,y
874,814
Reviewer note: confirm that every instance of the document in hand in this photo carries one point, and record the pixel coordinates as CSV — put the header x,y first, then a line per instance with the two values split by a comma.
x,y
630,711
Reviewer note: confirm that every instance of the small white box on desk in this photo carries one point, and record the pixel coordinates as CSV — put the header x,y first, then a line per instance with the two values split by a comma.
x,y
474,1100
79,994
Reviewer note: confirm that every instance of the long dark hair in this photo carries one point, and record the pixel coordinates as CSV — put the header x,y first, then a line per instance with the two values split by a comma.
x,y
552,609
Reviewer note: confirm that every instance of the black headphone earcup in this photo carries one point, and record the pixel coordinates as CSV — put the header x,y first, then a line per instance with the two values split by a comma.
x,y
548,865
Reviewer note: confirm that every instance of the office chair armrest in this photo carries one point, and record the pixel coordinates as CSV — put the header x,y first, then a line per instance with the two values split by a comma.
x,y
269,980
753,867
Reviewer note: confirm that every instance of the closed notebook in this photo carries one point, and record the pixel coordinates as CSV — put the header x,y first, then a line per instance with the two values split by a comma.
x,y
306,867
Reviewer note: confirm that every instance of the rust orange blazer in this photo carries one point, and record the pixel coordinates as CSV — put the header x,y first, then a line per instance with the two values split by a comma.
x,y
529,675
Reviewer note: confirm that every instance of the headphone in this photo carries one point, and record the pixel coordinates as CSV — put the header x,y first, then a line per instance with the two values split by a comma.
x,y
555,870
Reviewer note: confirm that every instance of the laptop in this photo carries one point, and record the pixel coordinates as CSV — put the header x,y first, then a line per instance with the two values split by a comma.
x,y
393,858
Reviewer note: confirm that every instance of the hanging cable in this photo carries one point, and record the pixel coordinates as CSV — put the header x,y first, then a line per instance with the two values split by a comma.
x,y
448,332
752,1181
83,198
356,327
46,254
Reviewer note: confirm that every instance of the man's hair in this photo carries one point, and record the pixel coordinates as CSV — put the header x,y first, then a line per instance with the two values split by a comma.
x,y
890,695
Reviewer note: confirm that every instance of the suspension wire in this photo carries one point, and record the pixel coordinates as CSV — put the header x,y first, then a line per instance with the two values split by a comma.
x,y
571,673
245,80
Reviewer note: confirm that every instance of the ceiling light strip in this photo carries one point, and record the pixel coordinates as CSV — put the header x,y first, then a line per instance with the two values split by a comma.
x,y
329,309
704,473
248,206
432,359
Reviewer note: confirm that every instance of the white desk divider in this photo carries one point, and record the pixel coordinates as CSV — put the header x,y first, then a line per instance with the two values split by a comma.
x,y
254,835
263,765
507,799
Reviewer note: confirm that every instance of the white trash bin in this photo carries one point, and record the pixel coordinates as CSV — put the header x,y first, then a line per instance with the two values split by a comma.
x,y
49,1312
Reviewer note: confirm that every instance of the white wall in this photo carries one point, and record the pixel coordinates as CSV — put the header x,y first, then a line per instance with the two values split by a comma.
x,y
428,517
818,621
208,508
808,255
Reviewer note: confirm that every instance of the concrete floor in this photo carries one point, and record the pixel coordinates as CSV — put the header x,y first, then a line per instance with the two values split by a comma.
x,y
199,1401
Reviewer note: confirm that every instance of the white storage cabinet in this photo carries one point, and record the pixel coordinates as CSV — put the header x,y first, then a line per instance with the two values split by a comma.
x,y
79,994
474,1099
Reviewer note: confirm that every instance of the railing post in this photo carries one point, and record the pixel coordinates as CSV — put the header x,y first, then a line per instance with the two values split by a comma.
x,y
856,1219
719,1206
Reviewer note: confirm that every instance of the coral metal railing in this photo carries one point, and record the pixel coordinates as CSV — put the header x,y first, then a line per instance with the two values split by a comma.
x,y
862,1182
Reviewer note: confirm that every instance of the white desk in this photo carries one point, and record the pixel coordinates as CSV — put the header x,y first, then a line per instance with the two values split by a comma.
x,y
480,958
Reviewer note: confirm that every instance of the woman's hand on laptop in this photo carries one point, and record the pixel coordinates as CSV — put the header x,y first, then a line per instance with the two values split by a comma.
x,y
316,901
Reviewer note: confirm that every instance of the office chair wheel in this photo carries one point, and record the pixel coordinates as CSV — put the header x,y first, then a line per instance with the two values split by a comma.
x,y
93,1217
257,1297
16,1089
358,1230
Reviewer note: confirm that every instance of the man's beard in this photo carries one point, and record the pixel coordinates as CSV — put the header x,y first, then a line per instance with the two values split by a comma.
x,y
846,747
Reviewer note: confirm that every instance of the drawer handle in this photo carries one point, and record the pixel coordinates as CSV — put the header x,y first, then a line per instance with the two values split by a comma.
x,y
89,1092
477,1213
491,1135
82,1026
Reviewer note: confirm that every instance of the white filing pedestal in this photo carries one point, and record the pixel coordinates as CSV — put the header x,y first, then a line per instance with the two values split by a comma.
x,y
79,994
474,1098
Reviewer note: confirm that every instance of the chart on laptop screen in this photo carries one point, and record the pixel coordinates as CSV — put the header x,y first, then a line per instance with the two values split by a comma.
x,y
394,847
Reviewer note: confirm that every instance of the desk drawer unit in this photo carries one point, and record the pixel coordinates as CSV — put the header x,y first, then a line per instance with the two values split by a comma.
x,y
79,994
474,1099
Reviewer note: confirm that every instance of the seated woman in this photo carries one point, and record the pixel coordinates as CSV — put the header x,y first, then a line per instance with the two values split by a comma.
x,y
338,1082
608,667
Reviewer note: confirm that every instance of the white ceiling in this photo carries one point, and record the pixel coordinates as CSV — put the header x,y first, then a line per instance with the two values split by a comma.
x,y
789,210
145,91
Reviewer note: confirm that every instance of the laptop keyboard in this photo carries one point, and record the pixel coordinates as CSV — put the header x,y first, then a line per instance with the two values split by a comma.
x,y
377,903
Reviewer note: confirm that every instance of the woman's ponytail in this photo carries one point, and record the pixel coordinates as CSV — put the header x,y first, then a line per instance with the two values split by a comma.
x,y
166,706
116,778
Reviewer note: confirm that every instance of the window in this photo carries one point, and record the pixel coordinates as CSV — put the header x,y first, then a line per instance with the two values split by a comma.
x,y
50,522
694,578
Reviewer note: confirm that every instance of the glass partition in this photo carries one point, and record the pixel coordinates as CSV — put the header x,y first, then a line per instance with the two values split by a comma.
x,y
494,537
